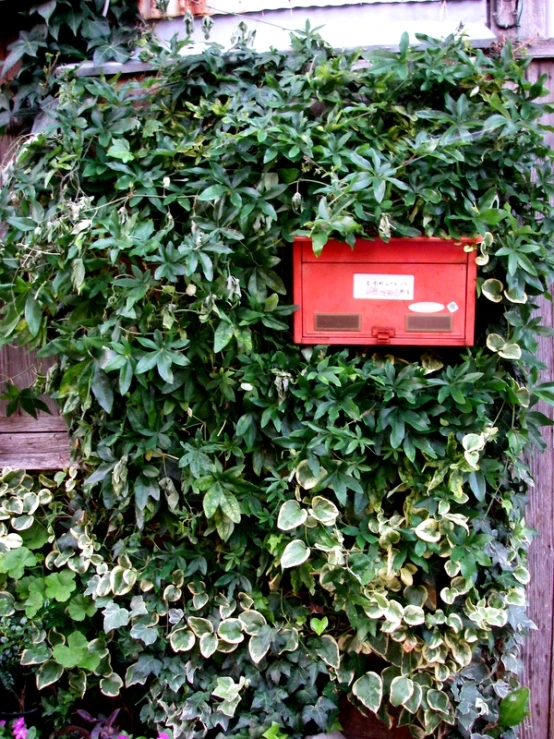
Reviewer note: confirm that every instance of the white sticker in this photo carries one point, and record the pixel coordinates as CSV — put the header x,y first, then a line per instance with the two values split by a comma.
x,y
428,307
453,307
384,287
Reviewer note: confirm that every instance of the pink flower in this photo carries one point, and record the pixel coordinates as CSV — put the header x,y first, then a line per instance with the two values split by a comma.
x,y
163,735
19,729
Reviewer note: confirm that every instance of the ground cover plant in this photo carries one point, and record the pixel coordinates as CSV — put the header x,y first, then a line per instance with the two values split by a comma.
x,y
255,530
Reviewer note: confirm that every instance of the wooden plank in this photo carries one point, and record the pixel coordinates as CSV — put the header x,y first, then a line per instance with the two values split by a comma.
x,y
20,367
32,451
26,442
540,515
540,47
539,647
24,424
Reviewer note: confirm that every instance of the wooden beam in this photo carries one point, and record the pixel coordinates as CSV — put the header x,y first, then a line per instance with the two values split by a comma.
x,y
540,48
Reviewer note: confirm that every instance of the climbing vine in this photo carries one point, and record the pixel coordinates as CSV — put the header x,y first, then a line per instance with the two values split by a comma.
x,y
255,529
54,33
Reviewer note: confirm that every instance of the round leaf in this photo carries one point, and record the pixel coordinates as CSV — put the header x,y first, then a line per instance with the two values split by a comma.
x,y
368,689
492,289
324,511
306,478
208,645
230,631
401,690
296,552
252,622
48,674
111,685
291,516
428,530
182,640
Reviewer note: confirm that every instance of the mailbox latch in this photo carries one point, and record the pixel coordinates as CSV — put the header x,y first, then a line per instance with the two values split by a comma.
x,y
383,335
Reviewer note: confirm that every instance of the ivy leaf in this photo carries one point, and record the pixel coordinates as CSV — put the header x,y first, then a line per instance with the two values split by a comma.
x,y
328,650
48,674
319,713
294,554
368,689
140,671
319,624
401,690
259,644
324,511
291,516
182,640
208,645
46,9
35,655
115,617
111,685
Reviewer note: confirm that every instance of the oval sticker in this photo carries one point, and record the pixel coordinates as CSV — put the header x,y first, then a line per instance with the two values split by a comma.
x,y
426,307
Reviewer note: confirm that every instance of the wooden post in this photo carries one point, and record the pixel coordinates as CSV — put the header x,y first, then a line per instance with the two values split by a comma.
x,y
539,648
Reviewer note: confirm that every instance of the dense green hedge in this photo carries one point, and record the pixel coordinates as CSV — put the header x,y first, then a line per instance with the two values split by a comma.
x,y
262,528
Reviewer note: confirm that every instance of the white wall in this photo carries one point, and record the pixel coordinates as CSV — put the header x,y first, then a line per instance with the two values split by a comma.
x,y
352,26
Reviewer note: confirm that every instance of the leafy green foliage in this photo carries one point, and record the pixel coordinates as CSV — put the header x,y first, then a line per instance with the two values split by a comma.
x,y
262,528
61,32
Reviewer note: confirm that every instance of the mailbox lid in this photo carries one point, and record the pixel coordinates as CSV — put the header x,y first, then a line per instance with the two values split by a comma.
x,y
407,291
421,250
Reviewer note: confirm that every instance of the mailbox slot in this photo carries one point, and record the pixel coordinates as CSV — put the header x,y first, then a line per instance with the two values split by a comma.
x,y
408,291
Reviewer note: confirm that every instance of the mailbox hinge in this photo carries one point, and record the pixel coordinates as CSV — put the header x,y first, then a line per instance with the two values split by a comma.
x,y
383,335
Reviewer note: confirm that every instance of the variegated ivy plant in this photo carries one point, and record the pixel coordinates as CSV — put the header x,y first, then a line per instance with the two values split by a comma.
x,y
255,529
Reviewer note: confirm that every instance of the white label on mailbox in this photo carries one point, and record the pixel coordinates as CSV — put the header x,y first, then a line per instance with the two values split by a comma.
x,y
384,287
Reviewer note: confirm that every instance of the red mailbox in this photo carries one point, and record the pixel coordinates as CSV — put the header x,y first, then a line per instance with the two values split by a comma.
x,y
410,291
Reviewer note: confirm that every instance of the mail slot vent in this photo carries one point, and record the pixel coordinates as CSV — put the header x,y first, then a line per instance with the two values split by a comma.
x,y
337,322
428,323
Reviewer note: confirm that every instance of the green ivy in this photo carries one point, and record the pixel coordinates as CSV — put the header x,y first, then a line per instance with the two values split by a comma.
x,y
259,528
59,32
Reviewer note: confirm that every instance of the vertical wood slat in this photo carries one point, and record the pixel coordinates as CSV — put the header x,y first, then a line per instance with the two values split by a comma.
x,y
539,648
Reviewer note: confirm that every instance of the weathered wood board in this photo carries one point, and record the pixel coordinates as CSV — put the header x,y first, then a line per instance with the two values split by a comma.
x,y
26,442
539,648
